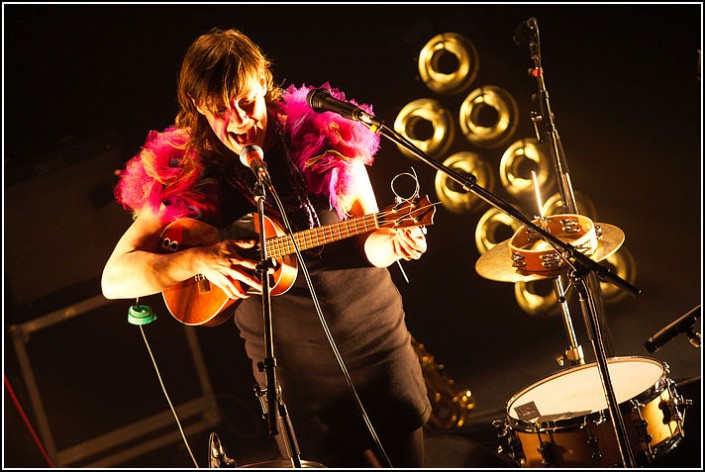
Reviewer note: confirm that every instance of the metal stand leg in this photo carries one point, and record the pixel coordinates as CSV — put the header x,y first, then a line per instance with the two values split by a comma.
x,y
574,354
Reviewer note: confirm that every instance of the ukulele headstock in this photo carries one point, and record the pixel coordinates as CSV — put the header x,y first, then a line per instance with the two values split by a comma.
x,y
418,211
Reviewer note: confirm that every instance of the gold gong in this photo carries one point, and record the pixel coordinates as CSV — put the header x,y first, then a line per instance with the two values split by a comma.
x,y
428,125
515,167
493,228
621,263
536,297
554,206
448,63
489,116
451,194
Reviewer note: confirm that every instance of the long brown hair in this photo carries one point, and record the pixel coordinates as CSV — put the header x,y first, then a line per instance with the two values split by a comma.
x,y
215,67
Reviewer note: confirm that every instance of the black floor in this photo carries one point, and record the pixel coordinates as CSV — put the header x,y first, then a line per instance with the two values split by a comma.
x,y
85,400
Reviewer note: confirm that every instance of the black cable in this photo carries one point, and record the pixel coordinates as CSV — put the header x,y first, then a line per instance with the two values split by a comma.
x,y
324,324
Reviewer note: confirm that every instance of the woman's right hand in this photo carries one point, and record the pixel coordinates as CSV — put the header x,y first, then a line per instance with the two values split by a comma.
x,y
223,265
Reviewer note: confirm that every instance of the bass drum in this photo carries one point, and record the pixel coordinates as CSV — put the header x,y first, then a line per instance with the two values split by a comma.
x,y
563,420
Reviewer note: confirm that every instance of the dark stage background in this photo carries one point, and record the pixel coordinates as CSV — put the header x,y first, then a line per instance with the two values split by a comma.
x,y
83,85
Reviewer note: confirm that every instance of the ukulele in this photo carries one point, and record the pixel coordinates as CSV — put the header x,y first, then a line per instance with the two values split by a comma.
x,y
197,302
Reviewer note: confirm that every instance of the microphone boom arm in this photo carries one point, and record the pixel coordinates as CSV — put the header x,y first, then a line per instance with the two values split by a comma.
x,y
578,260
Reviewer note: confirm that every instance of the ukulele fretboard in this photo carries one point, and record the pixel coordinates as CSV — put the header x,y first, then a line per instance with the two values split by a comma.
x,y
314,237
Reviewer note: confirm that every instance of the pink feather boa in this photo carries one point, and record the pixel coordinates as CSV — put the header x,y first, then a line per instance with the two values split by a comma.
x,y
324,147
150,179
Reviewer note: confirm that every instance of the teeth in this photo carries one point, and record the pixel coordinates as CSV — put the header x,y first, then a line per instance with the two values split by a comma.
x,y
239,138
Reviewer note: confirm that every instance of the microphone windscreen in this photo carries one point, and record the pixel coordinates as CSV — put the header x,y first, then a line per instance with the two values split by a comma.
x,y
250,152
316,98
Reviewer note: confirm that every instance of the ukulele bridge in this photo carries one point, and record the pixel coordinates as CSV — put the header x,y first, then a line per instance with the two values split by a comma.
x,y
204,286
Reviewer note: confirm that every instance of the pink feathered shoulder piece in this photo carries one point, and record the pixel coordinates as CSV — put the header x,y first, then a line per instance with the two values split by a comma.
x,y
151,178
324,147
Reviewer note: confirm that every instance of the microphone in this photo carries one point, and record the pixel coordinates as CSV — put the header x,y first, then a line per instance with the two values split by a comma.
x,y
526,33
684,324
252,156
321,100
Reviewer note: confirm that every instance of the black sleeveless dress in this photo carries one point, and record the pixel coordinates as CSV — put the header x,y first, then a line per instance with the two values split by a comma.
x,y
363,311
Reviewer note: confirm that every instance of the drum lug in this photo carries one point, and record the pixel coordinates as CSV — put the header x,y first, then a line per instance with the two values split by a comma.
x,y
546,449
674,408
547,453
642,431
601,418
508,443
641,426
593,444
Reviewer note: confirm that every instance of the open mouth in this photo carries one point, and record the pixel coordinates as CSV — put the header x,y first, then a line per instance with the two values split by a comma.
x,y
241,139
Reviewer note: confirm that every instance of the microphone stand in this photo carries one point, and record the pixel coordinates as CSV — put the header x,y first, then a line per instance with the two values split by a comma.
x,y
587,285
273,407
582,266
530,35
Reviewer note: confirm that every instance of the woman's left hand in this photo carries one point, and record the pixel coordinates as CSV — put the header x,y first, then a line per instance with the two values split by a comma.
x,y
409,243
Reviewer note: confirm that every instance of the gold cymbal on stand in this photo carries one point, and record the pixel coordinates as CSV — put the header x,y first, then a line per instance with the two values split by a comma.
x,y
496,264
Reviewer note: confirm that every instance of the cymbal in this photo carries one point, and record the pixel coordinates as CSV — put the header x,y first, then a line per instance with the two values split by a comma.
x,y
496,264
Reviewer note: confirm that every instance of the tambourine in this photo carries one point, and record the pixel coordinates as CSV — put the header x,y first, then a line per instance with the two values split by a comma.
x,y
530,253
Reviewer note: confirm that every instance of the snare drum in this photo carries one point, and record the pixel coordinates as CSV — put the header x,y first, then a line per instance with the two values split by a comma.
x,y
564,420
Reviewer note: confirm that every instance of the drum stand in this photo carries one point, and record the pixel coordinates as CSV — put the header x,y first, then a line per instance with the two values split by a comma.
x,y
583,279
574,354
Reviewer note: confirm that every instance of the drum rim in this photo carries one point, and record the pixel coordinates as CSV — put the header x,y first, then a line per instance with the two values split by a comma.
x,y
282,462
657,387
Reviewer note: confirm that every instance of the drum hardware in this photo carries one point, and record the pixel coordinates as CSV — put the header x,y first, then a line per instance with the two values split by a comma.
x,y
585,278
555,206
217,456
509,444
641,425
594,446
561,420
548,454
574,354
674,408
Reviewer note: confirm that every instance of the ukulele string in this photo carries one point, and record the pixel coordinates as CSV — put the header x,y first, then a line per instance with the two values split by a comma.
x,y
399,200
